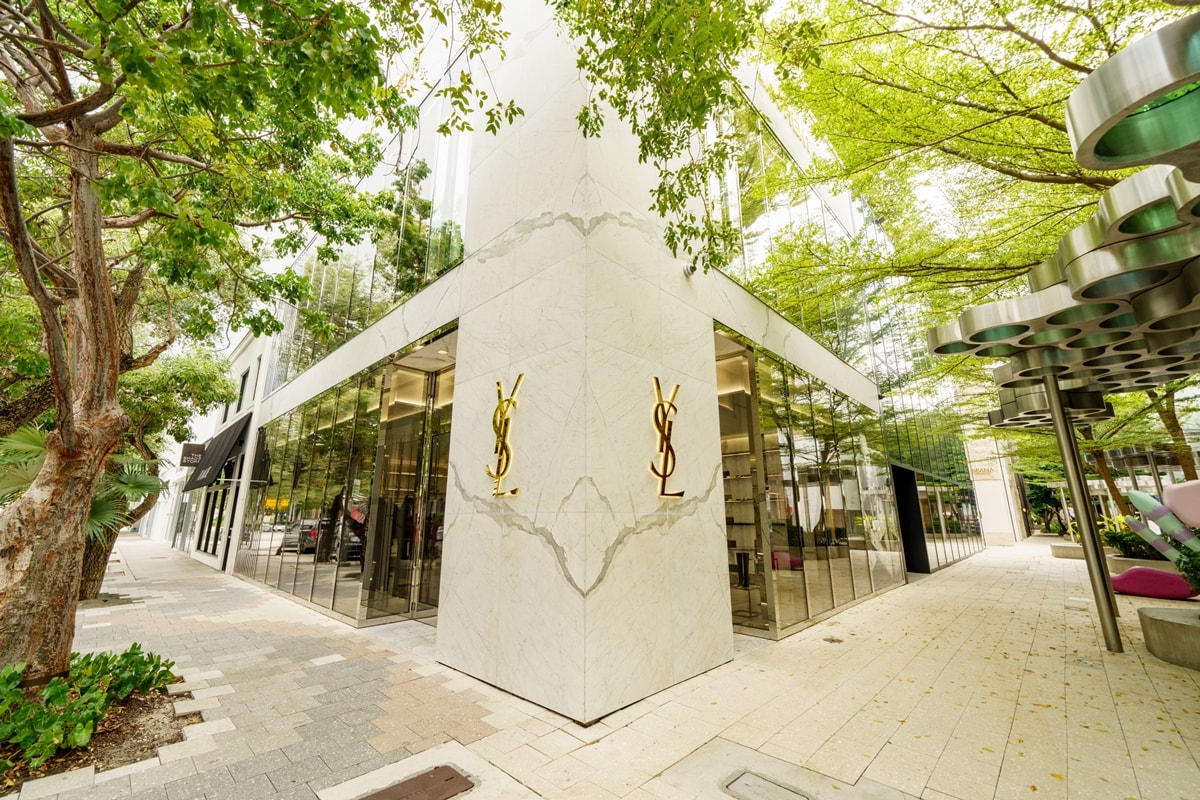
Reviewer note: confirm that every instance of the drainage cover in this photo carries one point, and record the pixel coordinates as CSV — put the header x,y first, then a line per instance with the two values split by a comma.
x,y
749,786
439,783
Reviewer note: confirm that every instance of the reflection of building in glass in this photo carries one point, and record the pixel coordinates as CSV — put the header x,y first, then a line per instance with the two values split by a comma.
x,y
362,484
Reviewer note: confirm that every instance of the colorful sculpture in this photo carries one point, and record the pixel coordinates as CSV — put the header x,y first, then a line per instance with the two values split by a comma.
x,y
1146,582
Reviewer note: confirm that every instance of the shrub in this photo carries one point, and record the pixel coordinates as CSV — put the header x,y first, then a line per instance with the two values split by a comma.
x,y
1189,567
1129,543
36,725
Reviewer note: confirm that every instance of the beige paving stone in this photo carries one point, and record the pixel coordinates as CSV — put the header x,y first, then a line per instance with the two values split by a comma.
x,y
746,734
522,761
393,739
952,782
565,771
54,784
556,743
587,734
619,780
843,759
421,745
901,768
508,739
664,791
586,790
1041,772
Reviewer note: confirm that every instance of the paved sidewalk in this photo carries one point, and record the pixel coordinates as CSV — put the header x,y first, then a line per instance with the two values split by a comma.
x,y
986,680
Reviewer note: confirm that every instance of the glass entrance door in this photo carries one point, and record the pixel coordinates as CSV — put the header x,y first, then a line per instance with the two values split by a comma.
x,y
402,567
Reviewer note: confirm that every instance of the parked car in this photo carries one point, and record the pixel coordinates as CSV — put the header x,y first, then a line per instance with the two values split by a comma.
x,y
302,536
349,548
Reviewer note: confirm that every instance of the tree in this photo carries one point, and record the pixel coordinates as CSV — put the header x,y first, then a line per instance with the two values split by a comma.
x,y
139,143
161,400
947,119
668,70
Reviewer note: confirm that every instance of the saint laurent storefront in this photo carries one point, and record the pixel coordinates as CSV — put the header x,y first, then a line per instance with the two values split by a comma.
x,y
534,427
809,513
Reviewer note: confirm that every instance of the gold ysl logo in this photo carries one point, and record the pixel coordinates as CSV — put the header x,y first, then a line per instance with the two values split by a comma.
x,y
663,409
501,423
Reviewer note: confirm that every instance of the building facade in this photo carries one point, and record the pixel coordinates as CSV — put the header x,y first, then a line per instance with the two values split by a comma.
x,y
533,427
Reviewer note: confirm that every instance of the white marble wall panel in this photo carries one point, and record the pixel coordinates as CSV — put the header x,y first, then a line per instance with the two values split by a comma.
x,y
491,202
548,308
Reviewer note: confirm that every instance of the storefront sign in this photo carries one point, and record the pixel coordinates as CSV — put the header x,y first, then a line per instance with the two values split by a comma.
x,y
501,424
191,455
663,409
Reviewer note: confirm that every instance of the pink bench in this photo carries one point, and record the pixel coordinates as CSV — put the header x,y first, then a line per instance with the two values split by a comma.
x,y
1147,582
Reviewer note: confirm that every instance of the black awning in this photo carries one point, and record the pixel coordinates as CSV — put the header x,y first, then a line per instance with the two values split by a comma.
x,y
216,453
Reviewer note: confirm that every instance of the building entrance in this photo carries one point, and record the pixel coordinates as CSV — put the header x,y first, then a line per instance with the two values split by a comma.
x,y
404,543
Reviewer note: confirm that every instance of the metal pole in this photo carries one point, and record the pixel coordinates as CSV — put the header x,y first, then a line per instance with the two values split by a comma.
x,y
1088,535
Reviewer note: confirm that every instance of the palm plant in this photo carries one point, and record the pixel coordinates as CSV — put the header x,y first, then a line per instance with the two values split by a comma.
x,y
125,480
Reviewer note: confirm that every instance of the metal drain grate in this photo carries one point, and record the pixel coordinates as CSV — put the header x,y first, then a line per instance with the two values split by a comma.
x,y
439,783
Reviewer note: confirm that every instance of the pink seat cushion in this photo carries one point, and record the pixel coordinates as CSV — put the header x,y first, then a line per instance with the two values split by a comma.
x,y
1184,500
1147,582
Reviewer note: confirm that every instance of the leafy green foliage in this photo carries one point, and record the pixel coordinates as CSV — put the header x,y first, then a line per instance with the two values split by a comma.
x,y
946,119
21,457
667,69
1189,567
1115,533
1046,504
35,726
221,142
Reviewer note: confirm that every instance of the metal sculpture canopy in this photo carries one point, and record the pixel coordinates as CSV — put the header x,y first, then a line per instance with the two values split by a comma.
x,y
1117,307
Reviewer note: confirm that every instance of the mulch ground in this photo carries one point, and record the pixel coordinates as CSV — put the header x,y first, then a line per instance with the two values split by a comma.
x,y
133,731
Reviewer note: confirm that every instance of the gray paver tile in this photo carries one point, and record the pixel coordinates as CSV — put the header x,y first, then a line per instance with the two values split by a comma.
x,y
63,782
197,787
151,793
118,789
161,775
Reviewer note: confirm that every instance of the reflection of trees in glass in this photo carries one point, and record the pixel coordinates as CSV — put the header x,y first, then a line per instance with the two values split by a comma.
x,y
354,287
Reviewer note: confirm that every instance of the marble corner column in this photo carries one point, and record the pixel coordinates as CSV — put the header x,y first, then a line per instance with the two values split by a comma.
x,y
585,591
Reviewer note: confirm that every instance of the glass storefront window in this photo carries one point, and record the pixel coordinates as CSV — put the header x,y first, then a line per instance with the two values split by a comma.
x,y
349,514
810,516
423,181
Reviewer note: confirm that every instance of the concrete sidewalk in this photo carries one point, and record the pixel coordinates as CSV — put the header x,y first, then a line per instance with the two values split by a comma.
x,y
986,680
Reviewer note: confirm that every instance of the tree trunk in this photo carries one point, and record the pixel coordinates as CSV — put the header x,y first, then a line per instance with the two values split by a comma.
x,y
42,537
1170,421
98,551
1107,476
42,533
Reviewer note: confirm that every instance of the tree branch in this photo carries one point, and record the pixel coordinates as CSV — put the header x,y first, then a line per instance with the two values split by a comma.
x,y
134,220
146,153
47,304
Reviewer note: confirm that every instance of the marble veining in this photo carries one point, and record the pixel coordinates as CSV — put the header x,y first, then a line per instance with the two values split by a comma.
x,y
666,514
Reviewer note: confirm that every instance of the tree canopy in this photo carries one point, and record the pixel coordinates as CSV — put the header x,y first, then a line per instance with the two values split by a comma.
x,y
142,148
947,118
